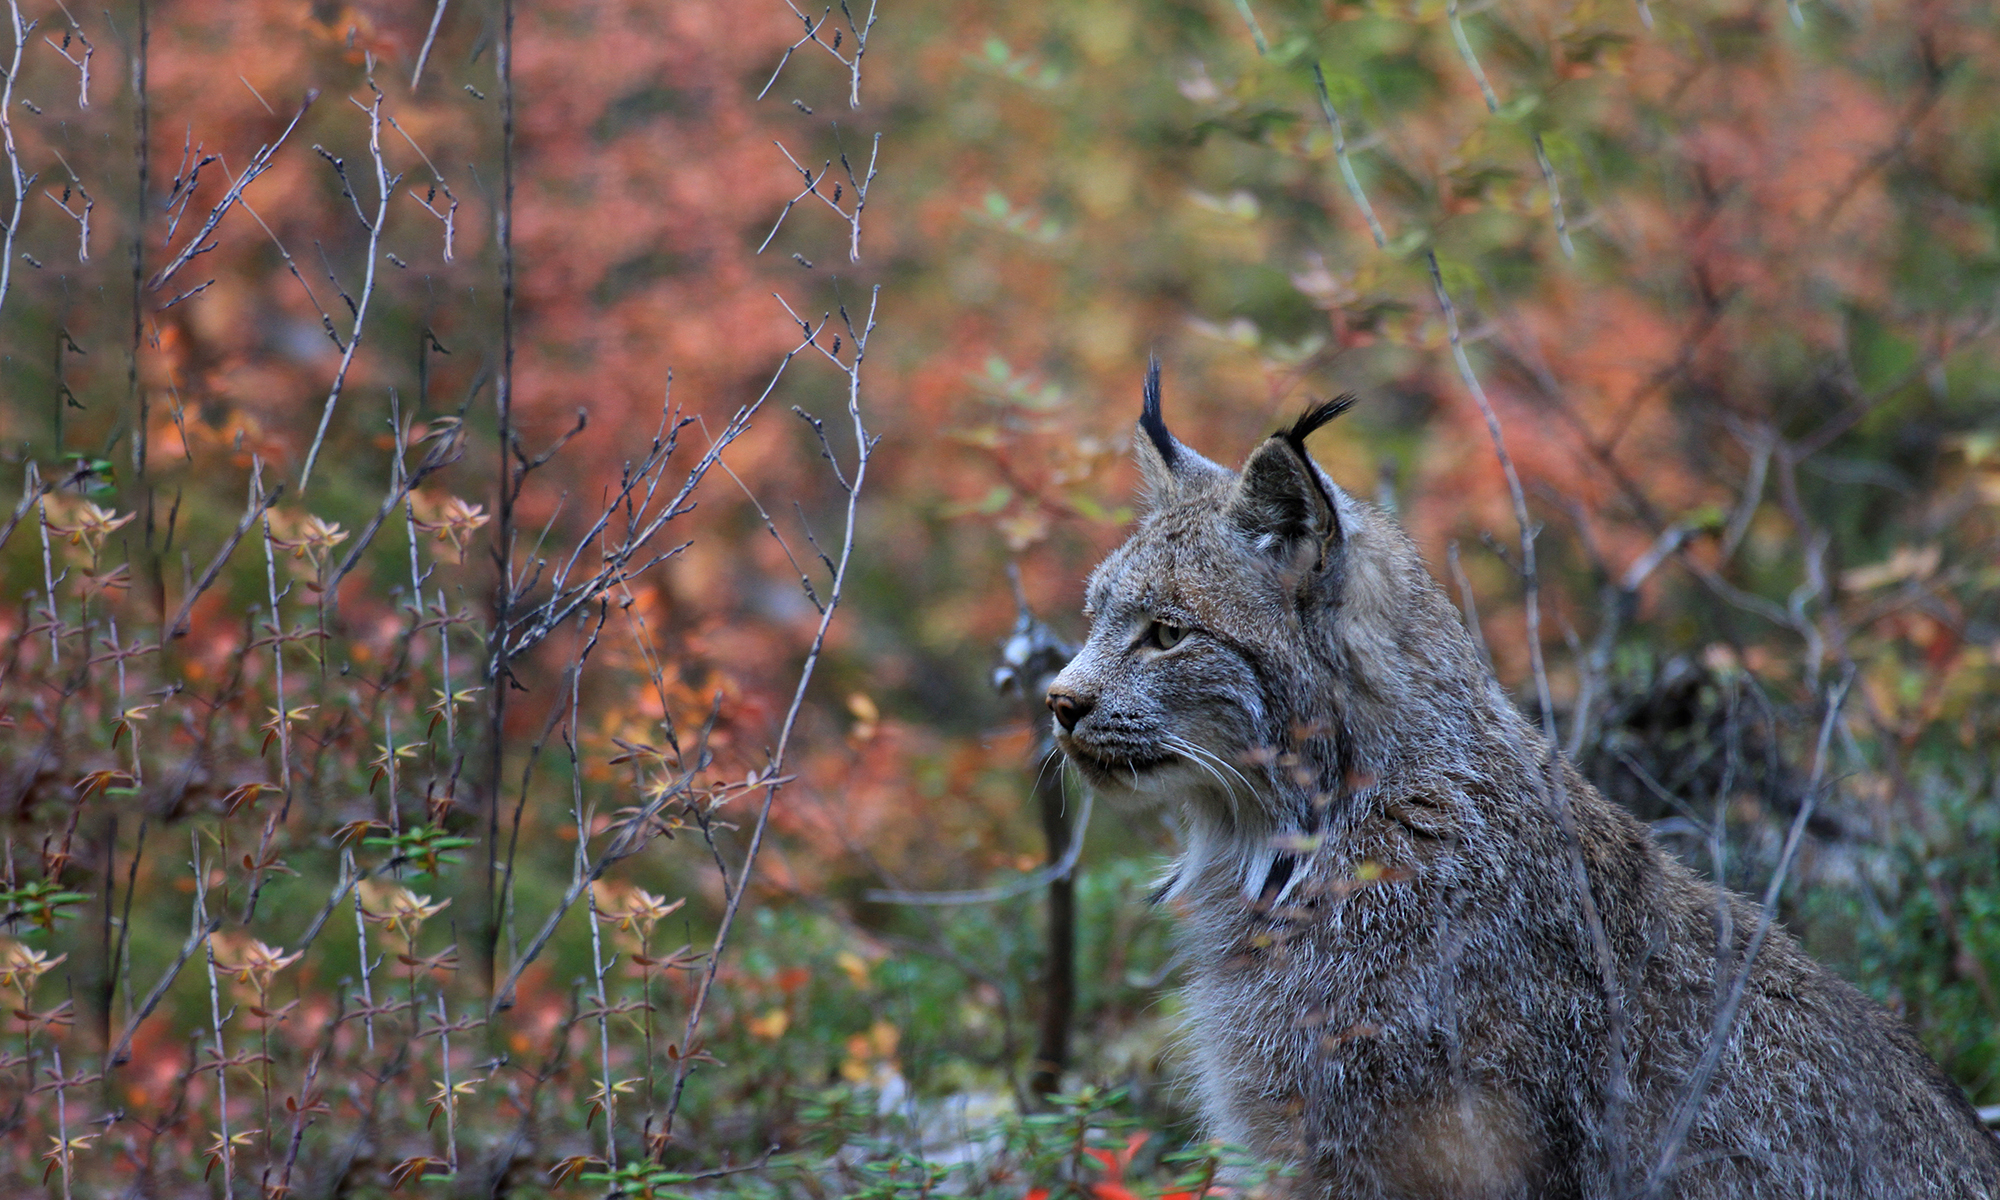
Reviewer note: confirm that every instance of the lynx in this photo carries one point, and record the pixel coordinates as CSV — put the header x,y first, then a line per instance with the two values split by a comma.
x,y
1405,922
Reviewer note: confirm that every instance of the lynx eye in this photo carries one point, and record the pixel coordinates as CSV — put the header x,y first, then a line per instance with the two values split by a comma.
x,y
1165,635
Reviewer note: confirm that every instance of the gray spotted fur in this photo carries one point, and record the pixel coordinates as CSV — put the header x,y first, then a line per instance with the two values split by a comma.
x,y
1391,985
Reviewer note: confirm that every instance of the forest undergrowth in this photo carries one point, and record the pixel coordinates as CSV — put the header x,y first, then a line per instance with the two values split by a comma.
x,y
515,513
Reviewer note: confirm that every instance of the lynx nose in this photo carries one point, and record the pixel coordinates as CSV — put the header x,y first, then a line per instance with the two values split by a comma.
x,y
1068,707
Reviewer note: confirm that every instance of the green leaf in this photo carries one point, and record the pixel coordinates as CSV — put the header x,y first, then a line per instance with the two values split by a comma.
x,y
1708,516
1087,507
1459,278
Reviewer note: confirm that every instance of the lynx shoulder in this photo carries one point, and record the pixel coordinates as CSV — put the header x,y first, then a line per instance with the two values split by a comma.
x,y
1404,933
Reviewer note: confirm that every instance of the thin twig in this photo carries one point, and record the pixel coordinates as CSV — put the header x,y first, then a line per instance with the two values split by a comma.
x,y
385,186
498,678
32,490
863,446
1346,166
1555,794
608,1092
1555,198
277,643
225,1145
424,56
82,65
1256,30
449,217
1471,59
82,218
137,397
260,162
260,502
121,1049
1700,1079
21,183
443,453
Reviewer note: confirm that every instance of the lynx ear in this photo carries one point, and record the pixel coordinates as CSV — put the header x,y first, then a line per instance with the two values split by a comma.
x,y
1165,464
1281,501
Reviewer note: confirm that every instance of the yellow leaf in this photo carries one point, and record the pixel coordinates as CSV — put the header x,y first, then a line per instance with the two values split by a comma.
x,y
854,966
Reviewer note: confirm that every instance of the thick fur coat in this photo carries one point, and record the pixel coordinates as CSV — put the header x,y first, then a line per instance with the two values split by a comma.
x,y
1425,959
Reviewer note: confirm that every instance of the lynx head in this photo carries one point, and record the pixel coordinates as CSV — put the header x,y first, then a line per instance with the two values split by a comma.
x,y
1262,645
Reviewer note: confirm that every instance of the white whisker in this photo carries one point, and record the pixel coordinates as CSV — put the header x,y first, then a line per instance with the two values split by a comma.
x,y
1194,754
1213,761
1054,758
1226,765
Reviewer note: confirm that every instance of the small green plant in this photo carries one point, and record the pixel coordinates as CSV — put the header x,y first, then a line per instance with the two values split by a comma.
x,y
643,1180
425,847
899,1176
1055,1148
38,902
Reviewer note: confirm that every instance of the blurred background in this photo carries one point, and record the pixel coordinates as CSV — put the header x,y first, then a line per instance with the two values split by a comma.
x,y
1727,272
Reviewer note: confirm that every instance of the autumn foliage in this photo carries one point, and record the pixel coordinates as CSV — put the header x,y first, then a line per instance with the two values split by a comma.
x,y
454,714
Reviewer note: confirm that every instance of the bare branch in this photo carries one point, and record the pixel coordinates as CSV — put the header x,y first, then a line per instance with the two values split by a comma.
x,y
449,217
121,1049
424,55
1555,795
1703,1075
442,454
260,162
32,489
1471,59
385,186
1347,166
82,65
21,183
259,504
740,887
1555,198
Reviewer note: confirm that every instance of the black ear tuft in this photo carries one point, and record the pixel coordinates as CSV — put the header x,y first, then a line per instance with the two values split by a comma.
x,y
1150,419
1313,419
